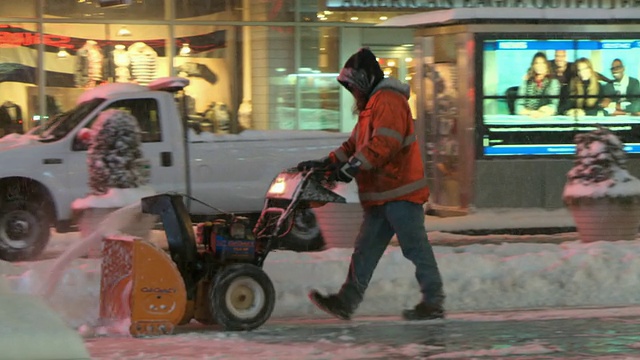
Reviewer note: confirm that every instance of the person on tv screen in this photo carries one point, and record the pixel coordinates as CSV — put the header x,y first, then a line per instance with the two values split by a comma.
x,y
584,90
538,94
564,71
622,96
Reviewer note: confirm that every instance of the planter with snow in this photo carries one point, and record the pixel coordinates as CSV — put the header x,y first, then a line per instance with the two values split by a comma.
x,y
118,174
604,199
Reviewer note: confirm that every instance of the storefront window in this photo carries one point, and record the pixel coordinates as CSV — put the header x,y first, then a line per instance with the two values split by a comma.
x,y
273,11
87,10
18,75
241,77
19,9
209,56
319,104
88,55
232,10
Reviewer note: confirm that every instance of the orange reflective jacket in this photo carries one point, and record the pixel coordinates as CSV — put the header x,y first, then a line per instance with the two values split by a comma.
x,y
384,141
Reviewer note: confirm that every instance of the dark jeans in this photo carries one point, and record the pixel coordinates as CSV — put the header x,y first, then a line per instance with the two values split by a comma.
x,y
406,220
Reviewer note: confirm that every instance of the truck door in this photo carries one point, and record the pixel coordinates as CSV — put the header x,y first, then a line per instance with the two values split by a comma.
x,y
165,168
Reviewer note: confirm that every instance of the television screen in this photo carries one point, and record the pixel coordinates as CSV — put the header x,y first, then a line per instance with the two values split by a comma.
x,y
538,93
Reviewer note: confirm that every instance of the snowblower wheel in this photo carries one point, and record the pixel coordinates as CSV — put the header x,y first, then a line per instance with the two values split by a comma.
x,y
241,297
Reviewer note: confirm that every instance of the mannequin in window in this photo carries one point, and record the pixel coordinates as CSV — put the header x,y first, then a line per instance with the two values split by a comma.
x,y
121,62
218,115
89,65
143,62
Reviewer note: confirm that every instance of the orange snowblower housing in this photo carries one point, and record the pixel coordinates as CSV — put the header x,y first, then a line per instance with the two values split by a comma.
x,y
141,282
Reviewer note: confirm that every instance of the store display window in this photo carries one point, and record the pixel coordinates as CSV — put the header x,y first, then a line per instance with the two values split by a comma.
x,y
18,74
318,104
208,57
92,9
200,10
18,9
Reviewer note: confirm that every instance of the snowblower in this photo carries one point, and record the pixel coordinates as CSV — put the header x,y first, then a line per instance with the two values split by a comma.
x,y
213,275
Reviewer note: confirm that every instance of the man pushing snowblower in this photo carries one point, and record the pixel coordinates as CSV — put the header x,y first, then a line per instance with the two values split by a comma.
x,y
215,275
382,154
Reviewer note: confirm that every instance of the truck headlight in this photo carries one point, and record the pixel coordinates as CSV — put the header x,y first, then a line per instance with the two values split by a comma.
x,y
278,187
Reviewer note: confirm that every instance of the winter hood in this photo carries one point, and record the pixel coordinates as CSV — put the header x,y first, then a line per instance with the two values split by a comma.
x,y
393,84
361,71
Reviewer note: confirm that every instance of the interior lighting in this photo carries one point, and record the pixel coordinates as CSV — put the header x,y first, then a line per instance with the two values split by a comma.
x,y
391,63
185,50
408,59
354,18
123,32
383,18
62,53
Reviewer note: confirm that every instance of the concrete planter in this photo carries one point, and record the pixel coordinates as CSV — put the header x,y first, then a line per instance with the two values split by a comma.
x,y
606,219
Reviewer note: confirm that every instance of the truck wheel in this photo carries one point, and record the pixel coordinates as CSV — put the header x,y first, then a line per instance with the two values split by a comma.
x,y
305,235
242,297
24,230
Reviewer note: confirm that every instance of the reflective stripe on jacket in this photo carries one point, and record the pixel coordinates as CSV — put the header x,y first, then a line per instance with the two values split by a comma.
x,y
385,141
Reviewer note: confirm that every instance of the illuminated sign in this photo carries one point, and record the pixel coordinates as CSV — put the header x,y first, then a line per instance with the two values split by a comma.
x,y
511,99
13,37
404,5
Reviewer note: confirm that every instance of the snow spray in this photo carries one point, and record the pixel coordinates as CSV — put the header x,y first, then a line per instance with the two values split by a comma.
x,y
111,225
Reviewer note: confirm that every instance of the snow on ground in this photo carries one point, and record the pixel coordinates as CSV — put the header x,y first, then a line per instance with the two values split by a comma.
x,y
477,277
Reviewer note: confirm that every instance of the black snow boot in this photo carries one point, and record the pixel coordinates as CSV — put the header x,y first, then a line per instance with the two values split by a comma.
x,y
330,304
424,311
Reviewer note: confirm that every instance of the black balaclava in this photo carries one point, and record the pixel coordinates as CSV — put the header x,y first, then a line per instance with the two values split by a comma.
x,y
361,71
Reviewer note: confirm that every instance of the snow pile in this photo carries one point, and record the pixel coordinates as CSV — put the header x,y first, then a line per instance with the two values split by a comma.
x,y
476,277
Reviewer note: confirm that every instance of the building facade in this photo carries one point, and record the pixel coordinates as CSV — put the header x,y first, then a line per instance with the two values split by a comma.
x,y
252,64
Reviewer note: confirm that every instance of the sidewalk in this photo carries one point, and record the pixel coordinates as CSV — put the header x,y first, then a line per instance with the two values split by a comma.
x,y
340,224
504,220
496,226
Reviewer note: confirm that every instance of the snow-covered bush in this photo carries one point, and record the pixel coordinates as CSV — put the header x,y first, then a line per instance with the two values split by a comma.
x,y
114,157
118,175
599,169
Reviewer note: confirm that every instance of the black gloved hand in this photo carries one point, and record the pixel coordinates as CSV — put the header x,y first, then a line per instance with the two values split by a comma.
x,y
309,164
344,172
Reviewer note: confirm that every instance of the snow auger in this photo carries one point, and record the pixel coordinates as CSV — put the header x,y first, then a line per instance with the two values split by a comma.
x,y
214,275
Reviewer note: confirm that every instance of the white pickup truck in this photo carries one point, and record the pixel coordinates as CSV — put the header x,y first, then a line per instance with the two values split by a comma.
x,y
45,170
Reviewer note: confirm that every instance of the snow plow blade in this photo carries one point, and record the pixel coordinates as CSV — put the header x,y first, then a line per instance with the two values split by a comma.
x,y
140,282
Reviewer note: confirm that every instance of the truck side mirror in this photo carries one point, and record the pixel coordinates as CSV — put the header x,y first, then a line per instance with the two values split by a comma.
x,y
82,140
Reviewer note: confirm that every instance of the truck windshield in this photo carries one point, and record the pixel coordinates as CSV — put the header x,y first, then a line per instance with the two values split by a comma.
x,y
64,123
